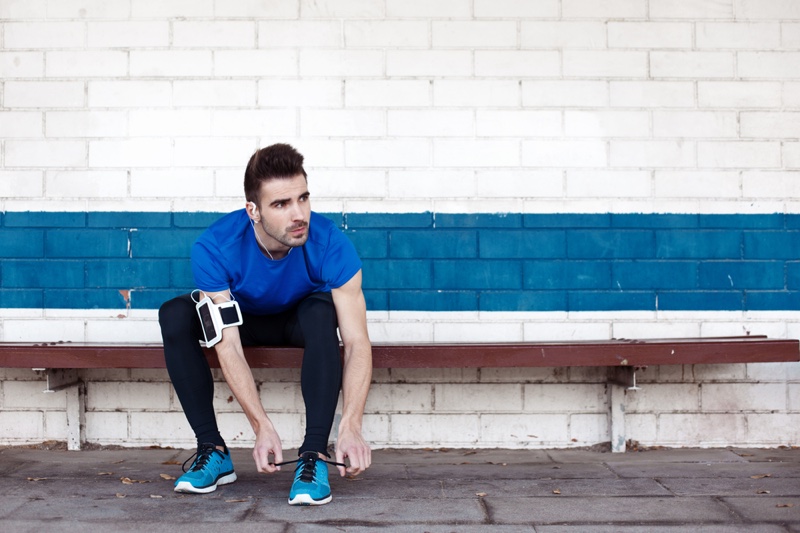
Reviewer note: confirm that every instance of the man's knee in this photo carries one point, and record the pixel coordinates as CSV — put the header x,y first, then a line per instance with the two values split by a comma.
x,y
176,317
318,309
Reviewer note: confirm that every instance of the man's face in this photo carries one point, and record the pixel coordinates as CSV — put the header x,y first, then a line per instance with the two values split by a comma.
x,y
284,213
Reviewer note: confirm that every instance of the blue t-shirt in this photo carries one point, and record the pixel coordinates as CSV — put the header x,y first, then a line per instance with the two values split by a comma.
x,y
227,256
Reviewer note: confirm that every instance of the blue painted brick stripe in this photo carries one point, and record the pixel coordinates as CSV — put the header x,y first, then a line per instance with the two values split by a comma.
x,y
433,262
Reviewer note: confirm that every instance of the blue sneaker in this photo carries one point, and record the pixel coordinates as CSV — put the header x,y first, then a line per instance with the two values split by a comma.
x,y
310,485
210,468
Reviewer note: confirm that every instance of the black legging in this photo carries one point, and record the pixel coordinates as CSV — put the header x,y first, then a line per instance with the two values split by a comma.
x,y
312,325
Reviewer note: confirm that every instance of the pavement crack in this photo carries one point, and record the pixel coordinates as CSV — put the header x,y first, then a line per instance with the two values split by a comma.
x,y
487,512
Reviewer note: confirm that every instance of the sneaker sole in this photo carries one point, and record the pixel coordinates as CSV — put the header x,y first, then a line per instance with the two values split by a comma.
x,y
186,487
306,499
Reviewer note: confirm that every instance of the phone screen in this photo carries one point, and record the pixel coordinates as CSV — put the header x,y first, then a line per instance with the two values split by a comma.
x,y
208,324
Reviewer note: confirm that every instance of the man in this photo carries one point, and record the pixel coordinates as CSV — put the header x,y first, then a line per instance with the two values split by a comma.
x,y
296,277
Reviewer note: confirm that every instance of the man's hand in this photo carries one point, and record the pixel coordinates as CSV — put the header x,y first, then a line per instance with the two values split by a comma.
x,y
352,445
267,442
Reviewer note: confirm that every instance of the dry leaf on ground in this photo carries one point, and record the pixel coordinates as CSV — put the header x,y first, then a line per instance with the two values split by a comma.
x,y
36,478
129,481
120,495
237,501
167,477
156,496
760,476
785,505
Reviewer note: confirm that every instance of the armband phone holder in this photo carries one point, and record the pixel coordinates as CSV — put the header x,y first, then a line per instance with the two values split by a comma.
x,y
216,317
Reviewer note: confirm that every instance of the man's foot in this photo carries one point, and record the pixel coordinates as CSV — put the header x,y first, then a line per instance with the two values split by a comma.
x,y
211,467
310,485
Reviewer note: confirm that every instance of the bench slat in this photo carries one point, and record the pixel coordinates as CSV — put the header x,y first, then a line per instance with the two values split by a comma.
x,y
615,352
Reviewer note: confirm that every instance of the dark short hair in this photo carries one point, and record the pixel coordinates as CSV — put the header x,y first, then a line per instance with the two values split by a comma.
x,y
278,161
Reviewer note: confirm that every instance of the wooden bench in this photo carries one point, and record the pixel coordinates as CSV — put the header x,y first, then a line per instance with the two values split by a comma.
x,y
61,363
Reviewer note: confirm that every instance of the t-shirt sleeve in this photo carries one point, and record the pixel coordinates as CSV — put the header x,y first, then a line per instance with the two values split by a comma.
x,y
341,260
209,274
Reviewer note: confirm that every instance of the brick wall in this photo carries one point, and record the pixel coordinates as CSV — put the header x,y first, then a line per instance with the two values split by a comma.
x,y
508,170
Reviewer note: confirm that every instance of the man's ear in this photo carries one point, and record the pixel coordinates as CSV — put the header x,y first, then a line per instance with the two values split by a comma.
x,y
252,211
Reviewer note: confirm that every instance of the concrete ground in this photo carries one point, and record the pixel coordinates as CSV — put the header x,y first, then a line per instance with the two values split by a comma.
x,y
438,491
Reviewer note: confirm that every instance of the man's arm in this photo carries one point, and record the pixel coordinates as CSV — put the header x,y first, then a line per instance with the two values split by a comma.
x,y
240,379
351,312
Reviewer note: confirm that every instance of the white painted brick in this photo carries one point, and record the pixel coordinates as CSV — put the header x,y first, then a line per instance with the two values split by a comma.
x,y
59,153
703,430
715,372
516,9
300,93
214,93
738,154
478,398
738,36
433,123
342,123
351,9
89,9
775,125
349,63
599,184
562,35
128,34
651,94
652,154
44,35
392,153
566,154
518,63
394,93
115,396
429,63
400,397
348,184
21,64
34,331
790,35
21,184
163,122
21,426
125,330
160,429
691,65
766,9
778,65
528,430
563,397
650,34
236,429
609,9
376,429
468,93
518,123
131,153
605,64
475,153
434,375
106,427
158,9
213,152
771,184
662,397
607,124
86,64
738,94
564,93
543,331
123,93
773,428
476,332
171,183
770,372
275,397
86,124
691,9
588,429
170,63
712,184
425,9
300,34
55,425
657,330
443,429
642,428
377,34
278,122
213,34
524,375
470,34
794,397
445,184
257,9
23,9
738,397
76,184
690,124
30,395
43,94
20,124
400,332
791,155
255,63
318,153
